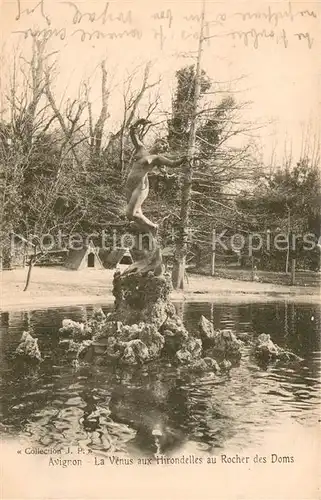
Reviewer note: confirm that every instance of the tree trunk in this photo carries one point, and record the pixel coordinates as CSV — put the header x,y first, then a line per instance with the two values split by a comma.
x,y
213,252
178,274
293,271
287,262
30,266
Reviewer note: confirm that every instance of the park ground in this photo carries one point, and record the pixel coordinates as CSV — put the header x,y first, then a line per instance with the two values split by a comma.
x,y
57,287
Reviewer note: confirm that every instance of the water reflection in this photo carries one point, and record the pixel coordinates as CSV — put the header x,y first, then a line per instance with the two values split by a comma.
x,y
160,408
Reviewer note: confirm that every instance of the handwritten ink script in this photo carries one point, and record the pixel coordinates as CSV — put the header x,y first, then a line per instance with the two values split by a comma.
x,y
79,20
272,24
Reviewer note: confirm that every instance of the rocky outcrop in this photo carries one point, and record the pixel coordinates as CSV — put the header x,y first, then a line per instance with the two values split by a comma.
x,y
28,348
265,350
206,329
204,365
190,351
227,344
76,331
223,342
135,352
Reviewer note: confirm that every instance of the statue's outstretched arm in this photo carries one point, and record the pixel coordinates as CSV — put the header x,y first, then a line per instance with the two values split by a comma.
x,y
159,161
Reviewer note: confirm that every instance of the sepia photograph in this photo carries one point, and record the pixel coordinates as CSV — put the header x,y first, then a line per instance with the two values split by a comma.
x,y
160,249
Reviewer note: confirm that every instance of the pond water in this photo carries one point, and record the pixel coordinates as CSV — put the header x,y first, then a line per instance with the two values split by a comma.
x,y
105,409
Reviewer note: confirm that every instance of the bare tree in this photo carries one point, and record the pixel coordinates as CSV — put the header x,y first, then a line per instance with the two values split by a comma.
x,y
131,99
96,130
36,158
178,275
70,119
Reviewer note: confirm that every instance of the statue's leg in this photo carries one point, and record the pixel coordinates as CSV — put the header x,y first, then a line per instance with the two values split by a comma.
x,y
144,224
134,211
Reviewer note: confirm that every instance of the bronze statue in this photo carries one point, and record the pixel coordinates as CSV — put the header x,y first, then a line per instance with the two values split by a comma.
x,y
137,185
137,189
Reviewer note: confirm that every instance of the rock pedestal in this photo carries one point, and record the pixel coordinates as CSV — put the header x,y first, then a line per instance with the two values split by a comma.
x,y
142,298
143,327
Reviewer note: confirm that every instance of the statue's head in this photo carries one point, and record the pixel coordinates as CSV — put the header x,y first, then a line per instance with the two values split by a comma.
x,y
160,146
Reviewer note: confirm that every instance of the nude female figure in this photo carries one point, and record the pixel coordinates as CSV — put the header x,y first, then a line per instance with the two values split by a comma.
x,y
137,185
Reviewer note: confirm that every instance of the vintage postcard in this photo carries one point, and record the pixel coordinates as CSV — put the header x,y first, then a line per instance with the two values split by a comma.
x,y
160,249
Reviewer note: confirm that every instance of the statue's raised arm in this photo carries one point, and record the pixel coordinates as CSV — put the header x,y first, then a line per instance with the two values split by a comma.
x,y
134,134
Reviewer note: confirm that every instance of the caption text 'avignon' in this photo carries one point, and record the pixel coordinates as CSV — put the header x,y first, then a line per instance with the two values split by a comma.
x,y
86,456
